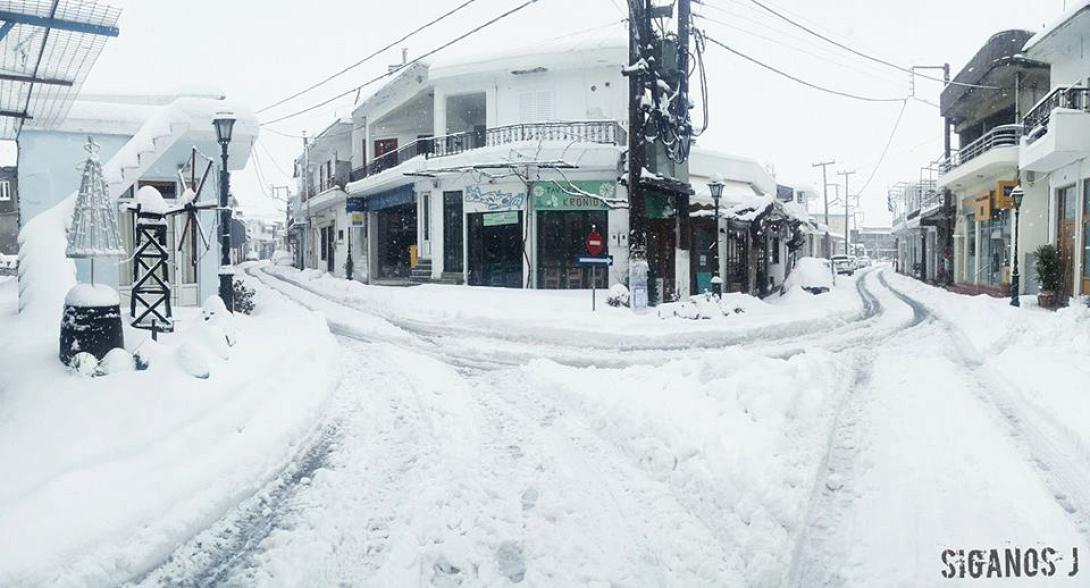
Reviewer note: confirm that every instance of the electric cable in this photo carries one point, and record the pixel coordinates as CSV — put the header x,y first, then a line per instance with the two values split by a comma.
x,y
372,55
472,31
800,80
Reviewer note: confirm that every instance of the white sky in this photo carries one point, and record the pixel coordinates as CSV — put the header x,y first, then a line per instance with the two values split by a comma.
x,y
259,52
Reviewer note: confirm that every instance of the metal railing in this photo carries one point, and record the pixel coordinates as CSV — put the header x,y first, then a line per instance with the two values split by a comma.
x,y
1001,136
608,132
1035,123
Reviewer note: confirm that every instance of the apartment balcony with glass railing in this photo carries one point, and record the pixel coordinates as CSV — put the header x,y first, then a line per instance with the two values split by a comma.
x,y
603,132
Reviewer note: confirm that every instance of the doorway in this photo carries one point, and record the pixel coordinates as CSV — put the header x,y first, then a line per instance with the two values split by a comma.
x,y
703,260
452,232
396,233
495,249
661,241
1066,203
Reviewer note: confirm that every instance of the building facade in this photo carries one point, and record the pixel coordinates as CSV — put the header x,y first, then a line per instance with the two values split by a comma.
x,y
9,211
143,141
977,178
494,171
1055,146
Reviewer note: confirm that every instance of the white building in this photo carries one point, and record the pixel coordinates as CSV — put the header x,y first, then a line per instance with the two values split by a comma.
x,y
1055,149
145,141
493,171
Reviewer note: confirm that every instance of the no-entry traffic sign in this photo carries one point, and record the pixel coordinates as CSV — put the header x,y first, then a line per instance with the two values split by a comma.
x,y
596,244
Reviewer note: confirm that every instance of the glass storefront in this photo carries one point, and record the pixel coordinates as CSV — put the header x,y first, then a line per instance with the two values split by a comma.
x,y
995,238
566,213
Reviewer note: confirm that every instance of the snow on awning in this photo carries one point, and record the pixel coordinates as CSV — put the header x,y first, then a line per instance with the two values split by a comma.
x,y
733,192
47,47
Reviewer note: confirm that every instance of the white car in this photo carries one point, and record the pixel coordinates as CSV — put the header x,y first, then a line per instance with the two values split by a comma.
x,y
862,262
842,264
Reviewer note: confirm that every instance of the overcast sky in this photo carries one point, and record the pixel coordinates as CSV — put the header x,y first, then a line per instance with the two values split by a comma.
x,y
259,52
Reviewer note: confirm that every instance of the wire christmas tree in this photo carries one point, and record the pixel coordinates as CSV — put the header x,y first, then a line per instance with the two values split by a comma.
x,y
94,231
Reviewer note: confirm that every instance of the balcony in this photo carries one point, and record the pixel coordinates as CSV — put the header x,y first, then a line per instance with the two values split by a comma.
x,y
992,156
1056,130
605,132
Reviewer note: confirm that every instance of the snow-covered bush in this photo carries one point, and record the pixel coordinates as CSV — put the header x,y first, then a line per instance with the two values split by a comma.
x,y
618,295
244,298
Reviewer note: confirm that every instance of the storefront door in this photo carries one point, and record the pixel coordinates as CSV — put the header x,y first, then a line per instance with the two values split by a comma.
x,y
452,232
561,238
1066,202
496,249
704,255
661,241
396,228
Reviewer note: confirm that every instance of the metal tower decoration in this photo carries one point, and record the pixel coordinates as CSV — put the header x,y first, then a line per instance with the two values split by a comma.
x,y
91,323
94,231
150,304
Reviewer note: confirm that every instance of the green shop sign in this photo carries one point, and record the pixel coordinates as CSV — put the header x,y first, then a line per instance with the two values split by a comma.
x,y
553,196
507,217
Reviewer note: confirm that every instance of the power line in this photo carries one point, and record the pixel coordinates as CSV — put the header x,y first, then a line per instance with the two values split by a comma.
x,y
376,53
802,81
882,158
472,31
860,53
803,50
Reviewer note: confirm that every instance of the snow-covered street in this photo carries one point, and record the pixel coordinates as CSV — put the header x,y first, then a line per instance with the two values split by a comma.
x,y
850,455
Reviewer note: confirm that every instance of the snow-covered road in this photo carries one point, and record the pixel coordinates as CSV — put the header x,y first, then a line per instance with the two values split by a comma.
x,y
849,455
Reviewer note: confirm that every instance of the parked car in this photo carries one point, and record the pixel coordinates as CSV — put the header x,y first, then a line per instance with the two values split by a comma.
x,y
812,274
862,262
843,265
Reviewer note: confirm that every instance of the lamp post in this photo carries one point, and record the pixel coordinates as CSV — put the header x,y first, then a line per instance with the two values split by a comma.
x,y
1016,195
225,124
716,188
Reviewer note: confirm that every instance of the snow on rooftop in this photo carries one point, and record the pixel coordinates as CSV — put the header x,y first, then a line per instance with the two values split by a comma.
x,y
1049,30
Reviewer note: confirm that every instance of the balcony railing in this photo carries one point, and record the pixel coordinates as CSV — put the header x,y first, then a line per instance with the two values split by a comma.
x,y
607,132
1035,123
1001,136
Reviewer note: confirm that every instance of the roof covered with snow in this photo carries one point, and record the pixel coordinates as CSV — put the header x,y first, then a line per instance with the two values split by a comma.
x,y
1037,45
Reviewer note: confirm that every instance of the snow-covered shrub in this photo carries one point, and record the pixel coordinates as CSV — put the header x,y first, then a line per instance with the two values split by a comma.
x,y
618,295
116,361
244,298
84,364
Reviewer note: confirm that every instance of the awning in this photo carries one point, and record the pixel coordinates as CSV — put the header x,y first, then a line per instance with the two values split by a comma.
x,y
398,196
47,47
733,192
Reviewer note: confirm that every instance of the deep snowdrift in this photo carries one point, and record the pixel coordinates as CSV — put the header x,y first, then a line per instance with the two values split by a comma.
x,y
104,477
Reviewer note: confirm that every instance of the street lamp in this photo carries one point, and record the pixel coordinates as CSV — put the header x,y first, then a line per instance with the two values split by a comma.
x,y
716,188
225,124
1016,195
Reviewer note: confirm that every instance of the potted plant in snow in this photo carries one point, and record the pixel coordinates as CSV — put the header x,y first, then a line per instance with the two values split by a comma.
x,y
1047,267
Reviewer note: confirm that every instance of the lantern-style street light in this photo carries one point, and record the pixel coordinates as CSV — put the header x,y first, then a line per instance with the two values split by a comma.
x,y
225,124
716,188
1016,195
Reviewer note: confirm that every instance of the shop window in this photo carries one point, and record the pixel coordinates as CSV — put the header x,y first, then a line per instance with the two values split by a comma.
x,y
5,191
775,250
324,243
561,239
426,216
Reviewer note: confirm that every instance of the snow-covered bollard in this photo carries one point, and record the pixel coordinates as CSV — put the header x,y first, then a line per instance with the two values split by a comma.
x,y
91,322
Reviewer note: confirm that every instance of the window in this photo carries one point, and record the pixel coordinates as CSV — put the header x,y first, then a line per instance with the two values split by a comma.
x,y
324,243
775,250
536,106
426,216
5,191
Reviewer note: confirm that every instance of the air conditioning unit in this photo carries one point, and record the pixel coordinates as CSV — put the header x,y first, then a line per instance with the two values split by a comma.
x,y
1030,176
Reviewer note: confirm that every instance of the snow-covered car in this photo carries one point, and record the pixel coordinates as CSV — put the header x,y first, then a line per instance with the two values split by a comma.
x,y
843,265
862,262
812,274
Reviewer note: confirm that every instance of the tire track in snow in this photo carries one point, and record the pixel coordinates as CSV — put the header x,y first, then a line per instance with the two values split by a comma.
x,y
827,503
1060,457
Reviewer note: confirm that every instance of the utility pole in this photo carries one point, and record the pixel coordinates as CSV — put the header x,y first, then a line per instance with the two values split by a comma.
x,y
847,202
637,205
825,192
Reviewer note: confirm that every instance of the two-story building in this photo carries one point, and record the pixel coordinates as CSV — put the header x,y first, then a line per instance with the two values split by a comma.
x,y
494,170
1054,163
985,108
322,172
918,242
